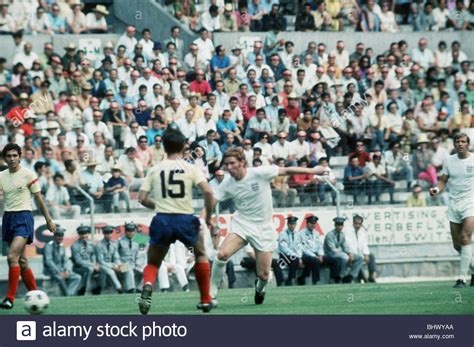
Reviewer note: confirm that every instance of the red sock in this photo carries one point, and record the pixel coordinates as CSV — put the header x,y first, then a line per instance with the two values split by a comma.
x,y
203,279
29,279
13,279
149,274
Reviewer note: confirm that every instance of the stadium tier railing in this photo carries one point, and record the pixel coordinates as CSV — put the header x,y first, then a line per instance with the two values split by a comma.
x,y
92,209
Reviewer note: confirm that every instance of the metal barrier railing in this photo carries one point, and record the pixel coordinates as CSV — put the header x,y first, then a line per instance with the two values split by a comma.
x,y
92,209
338,197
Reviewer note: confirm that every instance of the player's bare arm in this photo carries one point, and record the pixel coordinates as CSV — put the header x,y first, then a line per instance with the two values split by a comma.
x,y
144,199
209,202
440,186
42,206
318,170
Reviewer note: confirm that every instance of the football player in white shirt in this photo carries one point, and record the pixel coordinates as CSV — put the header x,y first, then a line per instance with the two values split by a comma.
x,y
459,170
252,222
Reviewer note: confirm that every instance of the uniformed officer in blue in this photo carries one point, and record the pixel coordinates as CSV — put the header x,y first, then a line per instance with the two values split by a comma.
x,y
313,253
58,266
289,248
84,260
336,248
128,252
108,258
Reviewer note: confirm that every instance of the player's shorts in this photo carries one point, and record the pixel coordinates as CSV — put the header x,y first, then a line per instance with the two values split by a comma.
x,y
460,210
166,228
262,237
18,223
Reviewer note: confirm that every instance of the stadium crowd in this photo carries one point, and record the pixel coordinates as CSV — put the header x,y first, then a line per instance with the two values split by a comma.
x,y
328,15
97,124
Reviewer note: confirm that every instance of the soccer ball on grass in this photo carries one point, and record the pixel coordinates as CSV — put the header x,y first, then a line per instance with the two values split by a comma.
x,y
36,301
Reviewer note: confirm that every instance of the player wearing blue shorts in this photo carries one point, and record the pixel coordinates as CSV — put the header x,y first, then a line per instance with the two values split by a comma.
x,y
167,189
18,185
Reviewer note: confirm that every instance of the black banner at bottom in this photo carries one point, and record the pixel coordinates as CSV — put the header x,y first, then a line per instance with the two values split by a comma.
x,y
288,331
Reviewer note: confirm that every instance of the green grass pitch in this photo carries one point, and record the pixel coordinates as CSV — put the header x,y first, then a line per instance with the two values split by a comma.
x,y
407,298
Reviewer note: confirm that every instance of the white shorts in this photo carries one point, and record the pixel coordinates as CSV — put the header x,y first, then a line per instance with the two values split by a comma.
x,y
460,210
262,237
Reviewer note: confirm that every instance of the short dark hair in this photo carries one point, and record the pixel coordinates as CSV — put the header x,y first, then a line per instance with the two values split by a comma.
x,y
460,135
173,141
58,176
11,147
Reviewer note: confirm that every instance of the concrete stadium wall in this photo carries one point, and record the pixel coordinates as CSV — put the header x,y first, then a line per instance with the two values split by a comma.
x,y
380,42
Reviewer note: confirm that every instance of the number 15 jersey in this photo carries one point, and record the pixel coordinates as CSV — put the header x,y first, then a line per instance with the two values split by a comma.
x,y
170,184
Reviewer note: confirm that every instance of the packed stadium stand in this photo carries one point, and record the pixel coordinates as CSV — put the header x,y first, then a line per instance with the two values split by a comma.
x,y
375,90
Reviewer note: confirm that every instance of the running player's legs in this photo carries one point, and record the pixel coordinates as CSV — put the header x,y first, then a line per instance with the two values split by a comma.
x,y
462,238
202,268
467,230
456,231
16,248
232,243
156,254
27,274
264,264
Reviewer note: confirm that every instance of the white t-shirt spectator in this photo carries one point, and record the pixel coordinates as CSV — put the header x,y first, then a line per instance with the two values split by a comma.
x,y
300,149
209,22
25,59
93,23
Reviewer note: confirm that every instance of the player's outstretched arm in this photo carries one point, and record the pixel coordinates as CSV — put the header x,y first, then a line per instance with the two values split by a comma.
x,y
440,186
293,170
143,197
42,206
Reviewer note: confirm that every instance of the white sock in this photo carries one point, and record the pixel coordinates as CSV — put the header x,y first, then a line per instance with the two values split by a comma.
x,y
466,256
217,273
261,285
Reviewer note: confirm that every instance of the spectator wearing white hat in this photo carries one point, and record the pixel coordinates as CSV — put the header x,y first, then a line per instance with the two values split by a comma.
x,y
95,21
76,19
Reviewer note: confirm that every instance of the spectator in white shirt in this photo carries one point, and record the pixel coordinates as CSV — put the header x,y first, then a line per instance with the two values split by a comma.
x,y
76,20
187,127
211,20
205,46
95,21
128,40
422,55
203,125
341,54
7,23
27,57
356,239
40,24
98,125
300,146
58,201
132,168
442,15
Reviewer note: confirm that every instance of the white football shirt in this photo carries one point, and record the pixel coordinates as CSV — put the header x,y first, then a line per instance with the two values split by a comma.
x,y
461,177
252,195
